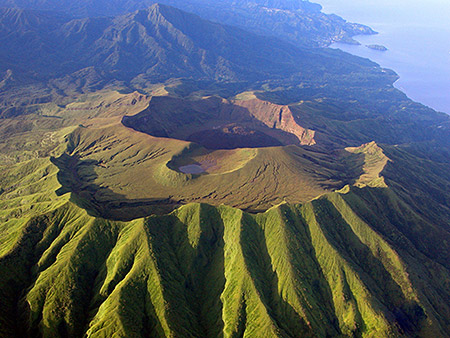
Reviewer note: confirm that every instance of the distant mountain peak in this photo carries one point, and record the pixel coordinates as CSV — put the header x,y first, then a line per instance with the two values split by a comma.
x,y
153,9
17,19
159,42
156,14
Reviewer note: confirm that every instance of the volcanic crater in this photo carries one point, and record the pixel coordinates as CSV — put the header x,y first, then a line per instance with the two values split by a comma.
x,y
217,123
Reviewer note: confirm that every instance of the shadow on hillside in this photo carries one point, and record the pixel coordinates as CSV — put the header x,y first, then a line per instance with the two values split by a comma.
x,y
193,278
407,313
101,201
267,281
212,124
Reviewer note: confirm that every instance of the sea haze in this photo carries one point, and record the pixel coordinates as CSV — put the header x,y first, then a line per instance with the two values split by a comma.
x,y
417,34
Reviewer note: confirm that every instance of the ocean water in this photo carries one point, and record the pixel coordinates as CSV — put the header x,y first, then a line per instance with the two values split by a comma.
x,y
417,35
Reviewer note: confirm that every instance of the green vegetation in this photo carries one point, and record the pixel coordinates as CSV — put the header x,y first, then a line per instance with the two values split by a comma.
x,y
92,249
360,261
322,208
317,269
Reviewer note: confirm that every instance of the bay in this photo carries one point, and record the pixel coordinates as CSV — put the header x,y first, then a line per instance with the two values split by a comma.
x,y
417,35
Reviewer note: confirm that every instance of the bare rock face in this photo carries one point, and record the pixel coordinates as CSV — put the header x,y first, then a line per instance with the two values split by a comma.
x,y
216,123
277,117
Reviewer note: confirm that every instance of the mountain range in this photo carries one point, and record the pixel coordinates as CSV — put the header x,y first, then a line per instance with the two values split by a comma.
x,y
164,175
299,22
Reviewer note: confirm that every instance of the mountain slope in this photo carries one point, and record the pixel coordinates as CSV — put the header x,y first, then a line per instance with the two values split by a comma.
x,y
65,57
273,191
300,22
311,270
159,43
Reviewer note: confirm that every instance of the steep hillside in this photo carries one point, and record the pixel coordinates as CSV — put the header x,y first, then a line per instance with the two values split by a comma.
x,y
91,246
91,249
48,57
221,124
300,22
162,175
160,42
330,267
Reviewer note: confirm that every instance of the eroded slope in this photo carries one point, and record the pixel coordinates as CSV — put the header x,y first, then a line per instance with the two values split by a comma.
x,y
114,167
85,254
217,123
317,269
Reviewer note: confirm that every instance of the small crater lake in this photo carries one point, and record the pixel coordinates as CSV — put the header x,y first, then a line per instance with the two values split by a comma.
x,y
191,169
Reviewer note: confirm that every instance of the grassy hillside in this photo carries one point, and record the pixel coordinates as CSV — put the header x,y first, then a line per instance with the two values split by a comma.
x,y
83,256
162,175
317,269
253,179
104,235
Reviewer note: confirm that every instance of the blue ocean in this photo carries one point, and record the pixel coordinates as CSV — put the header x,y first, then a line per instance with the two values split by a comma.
x,y
417,35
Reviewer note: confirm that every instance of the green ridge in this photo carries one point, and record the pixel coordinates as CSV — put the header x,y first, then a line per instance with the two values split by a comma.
x,y
342,233
363,261
317,269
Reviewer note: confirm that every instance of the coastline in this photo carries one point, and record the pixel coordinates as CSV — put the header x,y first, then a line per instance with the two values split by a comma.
x,y
423,64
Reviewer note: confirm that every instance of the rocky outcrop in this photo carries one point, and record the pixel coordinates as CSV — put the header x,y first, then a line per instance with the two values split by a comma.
x,y
237,124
